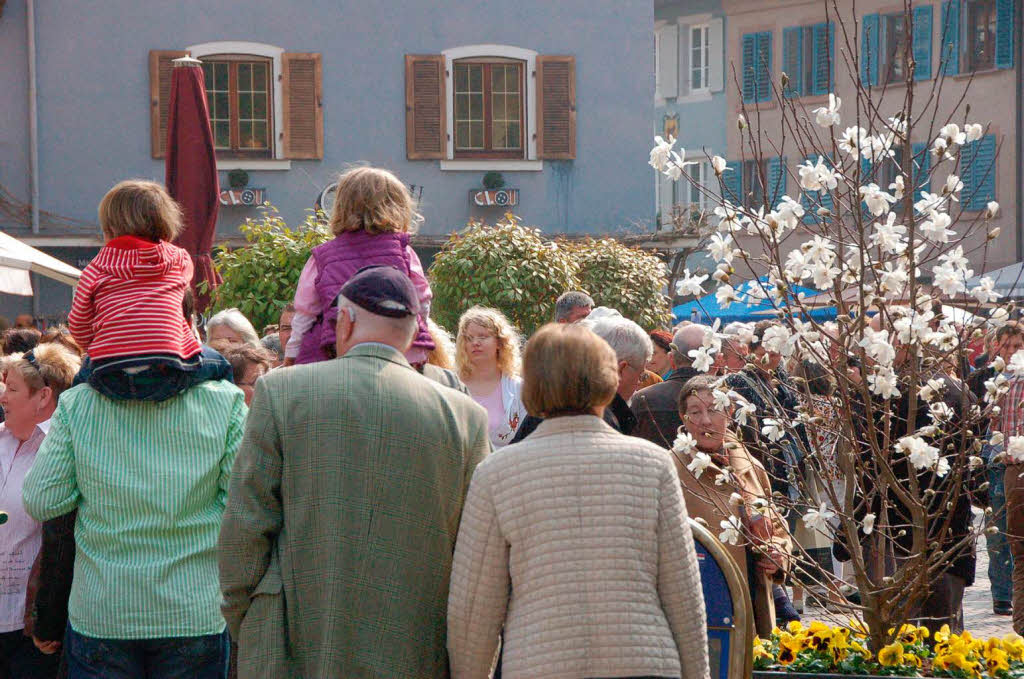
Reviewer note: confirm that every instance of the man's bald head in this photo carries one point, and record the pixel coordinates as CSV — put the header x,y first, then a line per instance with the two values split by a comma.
x,y
686,339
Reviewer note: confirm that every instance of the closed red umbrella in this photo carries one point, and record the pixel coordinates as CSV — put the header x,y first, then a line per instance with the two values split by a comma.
x,y
191,169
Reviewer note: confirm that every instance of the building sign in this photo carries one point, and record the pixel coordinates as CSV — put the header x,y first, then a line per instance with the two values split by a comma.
x,y
499,197
247,197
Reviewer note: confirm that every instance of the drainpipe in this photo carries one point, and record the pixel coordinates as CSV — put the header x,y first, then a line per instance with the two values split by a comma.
x,y
33,118
1018,21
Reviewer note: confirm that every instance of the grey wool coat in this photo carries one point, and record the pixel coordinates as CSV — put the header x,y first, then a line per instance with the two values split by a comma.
x,y
337,540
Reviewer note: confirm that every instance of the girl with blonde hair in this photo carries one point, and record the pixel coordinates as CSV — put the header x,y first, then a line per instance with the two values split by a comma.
x,y
487,361
372,221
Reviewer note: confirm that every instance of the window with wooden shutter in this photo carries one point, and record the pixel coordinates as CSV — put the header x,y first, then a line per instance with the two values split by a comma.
x,y
869,56
949,60
303,134
757,67
556,107
425,121
922,42
978,170
160,67
732,182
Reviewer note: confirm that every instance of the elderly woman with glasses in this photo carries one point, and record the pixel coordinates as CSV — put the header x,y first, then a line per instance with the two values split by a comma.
x,y
33,381
487,361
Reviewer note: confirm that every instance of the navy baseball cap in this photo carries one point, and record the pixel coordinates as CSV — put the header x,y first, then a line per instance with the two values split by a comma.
x,y
382,290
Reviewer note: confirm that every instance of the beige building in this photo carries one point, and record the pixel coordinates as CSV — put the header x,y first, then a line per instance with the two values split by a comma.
x,y
958,46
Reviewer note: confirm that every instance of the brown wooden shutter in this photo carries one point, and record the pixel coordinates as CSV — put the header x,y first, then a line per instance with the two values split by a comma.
x,y
556,108
302,94
160,68
425,123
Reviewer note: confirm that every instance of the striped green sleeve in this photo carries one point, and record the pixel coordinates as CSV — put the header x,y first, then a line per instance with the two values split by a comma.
x,y
51,486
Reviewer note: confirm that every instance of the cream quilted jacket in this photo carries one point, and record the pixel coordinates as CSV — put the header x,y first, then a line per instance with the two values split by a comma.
x,y
576,542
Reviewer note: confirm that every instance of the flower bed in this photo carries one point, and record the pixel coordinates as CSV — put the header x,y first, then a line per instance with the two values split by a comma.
x,y
823,651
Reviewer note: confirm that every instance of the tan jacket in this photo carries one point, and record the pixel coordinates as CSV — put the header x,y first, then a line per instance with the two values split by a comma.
x,y
576,540
710,502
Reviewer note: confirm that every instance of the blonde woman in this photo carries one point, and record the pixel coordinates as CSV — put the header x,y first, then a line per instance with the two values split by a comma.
x,y
487,361
372,221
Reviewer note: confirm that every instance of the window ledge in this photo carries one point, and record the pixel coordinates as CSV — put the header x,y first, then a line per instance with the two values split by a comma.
x,y
694,97
252,164
505,165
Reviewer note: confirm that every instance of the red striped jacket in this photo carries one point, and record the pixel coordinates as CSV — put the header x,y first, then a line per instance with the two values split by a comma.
x,y
129,301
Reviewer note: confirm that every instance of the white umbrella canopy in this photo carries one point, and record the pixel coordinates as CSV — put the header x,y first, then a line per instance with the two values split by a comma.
x,y
1009,281
18,259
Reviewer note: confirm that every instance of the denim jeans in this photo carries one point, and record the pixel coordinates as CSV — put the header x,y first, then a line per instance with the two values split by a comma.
x,y
152,378
203,657
20,659
1000,562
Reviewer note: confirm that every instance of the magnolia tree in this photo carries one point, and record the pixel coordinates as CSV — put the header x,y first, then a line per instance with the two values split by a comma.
x,y
906,434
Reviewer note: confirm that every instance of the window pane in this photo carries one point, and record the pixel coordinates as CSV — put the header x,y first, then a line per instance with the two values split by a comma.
x,y
515,136
476,134
498,78
259,106
462,135
698,35
222,132
244,77
498,107
513,110
476,78
476,107
221,76
244,106
461,106
499,130
259,77
259,134
461,77
221,105
207,75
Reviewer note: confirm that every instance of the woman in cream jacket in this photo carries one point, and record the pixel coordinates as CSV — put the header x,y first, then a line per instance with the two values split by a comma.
x,y
575,541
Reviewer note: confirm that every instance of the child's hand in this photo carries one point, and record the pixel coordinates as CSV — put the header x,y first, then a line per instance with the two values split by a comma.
x,y
46,647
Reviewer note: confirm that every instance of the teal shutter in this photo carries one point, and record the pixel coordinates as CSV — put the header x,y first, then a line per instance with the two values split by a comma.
x,y
776,181
980,179
950,61
920,169
763,80
749,64
922,45
793,60
1004,33
732,183
869,50
824,57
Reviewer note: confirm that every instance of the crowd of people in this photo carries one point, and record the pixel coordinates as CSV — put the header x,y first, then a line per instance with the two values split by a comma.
x,y
357,493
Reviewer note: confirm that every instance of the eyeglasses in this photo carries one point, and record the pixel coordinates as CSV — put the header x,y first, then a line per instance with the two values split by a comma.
x,y
473,339
286,328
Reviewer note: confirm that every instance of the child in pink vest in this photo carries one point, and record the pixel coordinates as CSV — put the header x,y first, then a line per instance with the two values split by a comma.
x,y
372,219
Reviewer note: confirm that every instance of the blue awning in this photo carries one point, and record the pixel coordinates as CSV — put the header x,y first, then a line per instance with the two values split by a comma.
x,y
745,310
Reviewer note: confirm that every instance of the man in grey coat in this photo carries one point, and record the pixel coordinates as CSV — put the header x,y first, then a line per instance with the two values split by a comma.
x,y
337,541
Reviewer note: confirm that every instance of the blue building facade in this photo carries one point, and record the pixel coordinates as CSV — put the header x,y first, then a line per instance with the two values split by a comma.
x,y
690,94
554,96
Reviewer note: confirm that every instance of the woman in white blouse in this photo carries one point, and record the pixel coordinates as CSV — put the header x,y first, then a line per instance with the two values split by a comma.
x,y
575,541
487,361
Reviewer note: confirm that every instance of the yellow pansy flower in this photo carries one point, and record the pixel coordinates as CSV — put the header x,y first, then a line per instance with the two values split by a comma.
x,y
942,635
795,627
789,646
891,655
997,661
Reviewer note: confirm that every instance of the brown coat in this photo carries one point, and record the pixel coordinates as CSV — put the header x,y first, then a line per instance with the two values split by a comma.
x,y
710,503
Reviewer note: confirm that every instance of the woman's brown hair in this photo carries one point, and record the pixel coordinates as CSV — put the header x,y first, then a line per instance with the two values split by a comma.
x,y
373,200
136,207
48,365
567,370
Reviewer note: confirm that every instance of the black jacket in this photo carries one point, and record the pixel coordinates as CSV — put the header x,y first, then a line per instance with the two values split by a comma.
x,y
657,408
618,416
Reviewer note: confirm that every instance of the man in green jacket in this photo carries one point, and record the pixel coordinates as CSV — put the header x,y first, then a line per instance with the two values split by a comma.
x,y
337,541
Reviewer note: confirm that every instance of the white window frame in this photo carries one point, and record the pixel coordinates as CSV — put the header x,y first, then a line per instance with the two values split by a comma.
x,y
528,164
657,59
705,34
701,173
278,162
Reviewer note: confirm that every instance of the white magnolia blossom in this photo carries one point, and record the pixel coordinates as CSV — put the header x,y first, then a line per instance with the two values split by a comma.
x,y
889,236
730,534
917,450
878,147
741,121
929,202
1015,448
913,328
661,153
877,200
940,412
702,359
985,290
721,248
898,187
995,387
726,295
992,209
744,410
883,381
974,131
877,346
868,523
731,217
952,187
940,149
942,467
898,125
935,227
996,439
719,165
789,212
951,274
852,141
773,429
818,519
778,339
998,364
827,116
952,134
690,284
684,443
1016,365
998,317
893,279
722,273
931,389
698,464
723,399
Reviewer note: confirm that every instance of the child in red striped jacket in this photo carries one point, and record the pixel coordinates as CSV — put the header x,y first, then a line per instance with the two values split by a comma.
x,y
127,311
